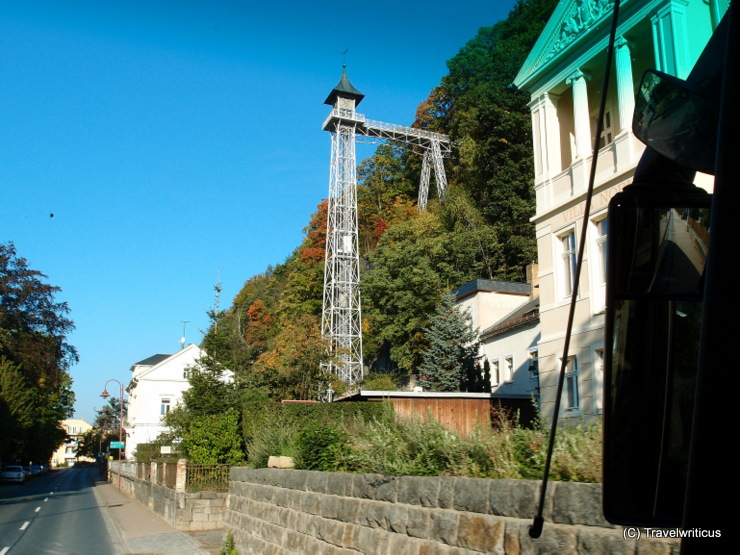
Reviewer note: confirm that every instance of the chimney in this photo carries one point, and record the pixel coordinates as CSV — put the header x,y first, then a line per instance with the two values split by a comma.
x,y
533,278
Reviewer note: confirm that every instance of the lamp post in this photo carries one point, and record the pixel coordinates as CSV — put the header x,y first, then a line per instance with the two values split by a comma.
x,y
105,395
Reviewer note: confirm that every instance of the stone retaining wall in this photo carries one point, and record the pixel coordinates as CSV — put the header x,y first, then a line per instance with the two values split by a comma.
x,y
190,512
280,511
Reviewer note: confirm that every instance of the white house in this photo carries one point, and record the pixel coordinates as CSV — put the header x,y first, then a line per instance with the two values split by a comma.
x,y
563,74
157,384
510,346
506,316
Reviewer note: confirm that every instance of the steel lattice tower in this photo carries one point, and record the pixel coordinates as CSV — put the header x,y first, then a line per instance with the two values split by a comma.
x,y
341,319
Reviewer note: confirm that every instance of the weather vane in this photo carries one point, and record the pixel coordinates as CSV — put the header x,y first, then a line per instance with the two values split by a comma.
x,y
344,57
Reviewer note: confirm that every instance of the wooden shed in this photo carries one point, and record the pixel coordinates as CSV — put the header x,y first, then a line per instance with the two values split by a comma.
x,y
457,411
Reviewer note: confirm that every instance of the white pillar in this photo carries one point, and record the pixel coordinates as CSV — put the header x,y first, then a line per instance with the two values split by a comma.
x,y
670,38
581,123
552,133
625,89
546,136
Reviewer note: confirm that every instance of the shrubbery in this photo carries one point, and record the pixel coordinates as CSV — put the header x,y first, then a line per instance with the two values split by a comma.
x,y
364,437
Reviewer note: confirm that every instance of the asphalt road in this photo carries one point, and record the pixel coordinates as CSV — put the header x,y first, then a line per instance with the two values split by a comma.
x,y
56,513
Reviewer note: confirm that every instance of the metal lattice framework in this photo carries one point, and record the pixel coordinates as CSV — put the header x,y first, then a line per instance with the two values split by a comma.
x,y
341,319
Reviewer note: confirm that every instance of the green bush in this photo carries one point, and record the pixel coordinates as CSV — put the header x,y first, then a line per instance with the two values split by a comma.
x,y
215,439
321,448
276,437
272,428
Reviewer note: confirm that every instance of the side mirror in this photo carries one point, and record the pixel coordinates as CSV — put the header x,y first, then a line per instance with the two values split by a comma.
x,y
656,254
677,120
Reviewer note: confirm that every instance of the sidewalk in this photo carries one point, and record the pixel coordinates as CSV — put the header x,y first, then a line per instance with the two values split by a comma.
x,y
136,529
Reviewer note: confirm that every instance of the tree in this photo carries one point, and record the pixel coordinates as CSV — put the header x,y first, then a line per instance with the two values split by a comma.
x,y
212,392
453,348
35,385
108,418
490,126
215,439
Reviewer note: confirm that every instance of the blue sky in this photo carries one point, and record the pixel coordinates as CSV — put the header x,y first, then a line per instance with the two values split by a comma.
x,y
179,143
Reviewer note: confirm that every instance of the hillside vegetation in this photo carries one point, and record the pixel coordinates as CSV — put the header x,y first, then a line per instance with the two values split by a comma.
x,y
270,336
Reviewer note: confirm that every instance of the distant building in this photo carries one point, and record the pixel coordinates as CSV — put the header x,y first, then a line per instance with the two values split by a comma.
x,y
563,73
157,384
67,453
506,316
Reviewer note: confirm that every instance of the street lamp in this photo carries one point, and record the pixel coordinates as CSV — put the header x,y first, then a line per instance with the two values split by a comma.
x,y
105,395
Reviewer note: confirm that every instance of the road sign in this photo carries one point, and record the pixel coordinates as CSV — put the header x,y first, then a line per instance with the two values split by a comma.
x,y
117,444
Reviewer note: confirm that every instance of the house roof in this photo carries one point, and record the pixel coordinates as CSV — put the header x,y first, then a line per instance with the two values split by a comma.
x,y
166,359
344,88
491,286
526,314
151,361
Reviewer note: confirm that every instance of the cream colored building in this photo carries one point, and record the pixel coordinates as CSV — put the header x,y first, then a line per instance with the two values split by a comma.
x,y
564,74
67,452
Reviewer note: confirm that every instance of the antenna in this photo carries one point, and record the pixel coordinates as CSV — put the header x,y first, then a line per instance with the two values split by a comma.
x,y
184,326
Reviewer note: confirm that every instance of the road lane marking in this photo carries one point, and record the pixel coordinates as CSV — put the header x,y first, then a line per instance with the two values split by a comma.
x,y
46,499
25,525
37,509
4,550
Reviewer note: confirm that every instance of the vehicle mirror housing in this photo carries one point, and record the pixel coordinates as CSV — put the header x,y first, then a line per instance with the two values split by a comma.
x,y
656,255
676,119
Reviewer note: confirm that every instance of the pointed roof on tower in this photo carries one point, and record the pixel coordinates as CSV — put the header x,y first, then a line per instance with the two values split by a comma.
x,y
344,88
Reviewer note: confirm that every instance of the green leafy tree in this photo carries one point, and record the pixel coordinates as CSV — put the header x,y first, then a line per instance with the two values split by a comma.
x,y
215,439
490,125
453,349
212,392
36,392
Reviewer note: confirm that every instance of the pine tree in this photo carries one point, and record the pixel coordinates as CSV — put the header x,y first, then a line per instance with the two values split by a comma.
x,y
453,348
486,376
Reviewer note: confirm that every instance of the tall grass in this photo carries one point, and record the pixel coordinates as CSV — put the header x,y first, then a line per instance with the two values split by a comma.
x,y
423,447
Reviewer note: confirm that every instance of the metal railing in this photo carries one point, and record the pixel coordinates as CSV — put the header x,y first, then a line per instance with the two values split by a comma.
x,y
207,477
197,477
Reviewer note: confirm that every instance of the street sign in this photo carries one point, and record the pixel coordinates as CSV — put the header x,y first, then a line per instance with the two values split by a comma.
x,y
117,445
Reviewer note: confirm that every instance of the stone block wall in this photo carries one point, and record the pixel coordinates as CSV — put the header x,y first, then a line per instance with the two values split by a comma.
x,y
185,511
283,511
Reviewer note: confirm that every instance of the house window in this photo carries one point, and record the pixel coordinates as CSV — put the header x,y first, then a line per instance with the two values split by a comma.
x,y
534,364
568,261
607,131
509,368
165,407
495,373
572,393
601,229
186,373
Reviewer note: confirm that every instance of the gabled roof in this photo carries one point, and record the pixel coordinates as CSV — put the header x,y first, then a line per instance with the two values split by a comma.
x,y
570,23
151,361
346,89
526,314
167,358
